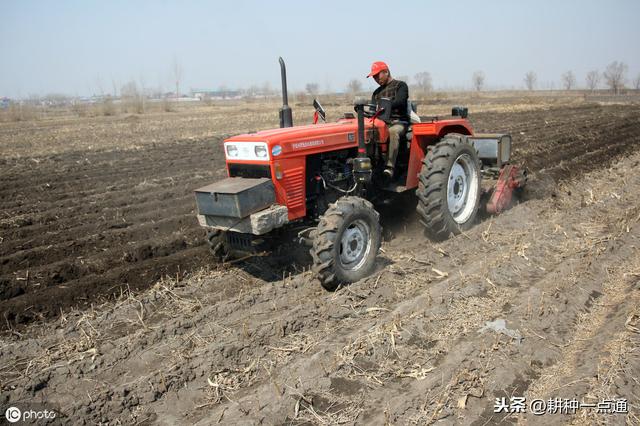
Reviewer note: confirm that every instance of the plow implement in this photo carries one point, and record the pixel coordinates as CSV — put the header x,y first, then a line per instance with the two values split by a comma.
x,y
510,179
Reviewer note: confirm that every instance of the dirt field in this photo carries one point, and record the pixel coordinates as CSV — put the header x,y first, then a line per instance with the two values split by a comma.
x,y
106,211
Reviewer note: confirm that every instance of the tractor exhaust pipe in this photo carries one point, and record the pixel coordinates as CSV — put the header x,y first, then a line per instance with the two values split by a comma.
x,y
359,107
362,168
286,117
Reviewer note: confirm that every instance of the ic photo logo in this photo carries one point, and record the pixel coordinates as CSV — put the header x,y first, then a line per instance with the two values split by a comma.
x,y
13,414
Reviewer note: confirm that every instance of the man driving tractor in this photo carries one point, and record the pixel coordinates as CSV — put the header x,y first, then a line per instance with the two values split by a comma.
x,y
398,92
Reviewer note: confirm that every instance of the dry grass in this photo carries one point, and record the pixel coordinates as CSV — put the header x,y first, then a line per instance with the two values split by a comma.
x,y
223,383
326,409
107,107
465,383
21,112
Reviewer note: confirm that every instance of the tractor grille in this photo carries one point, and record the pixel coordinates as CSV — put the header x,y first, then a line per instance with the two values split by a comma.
x,y
250,171
294,185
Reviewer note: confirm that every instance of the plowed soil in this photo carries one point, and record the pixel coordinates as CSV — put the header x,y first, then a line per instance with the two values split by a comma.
x,y
78,226
114,313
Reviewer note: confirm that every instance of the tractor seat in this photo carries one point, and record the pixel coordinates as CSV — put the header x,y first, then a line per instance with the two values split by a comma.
x,y
412,110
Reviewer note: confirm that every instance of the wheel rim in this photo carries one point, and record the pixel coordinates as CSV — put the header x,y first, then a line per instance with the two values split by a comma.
x,y
355,245
462,188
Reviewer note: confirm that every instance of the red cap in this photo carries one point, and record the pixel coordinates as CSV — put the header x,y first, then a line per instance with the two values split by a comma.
x,y
376,67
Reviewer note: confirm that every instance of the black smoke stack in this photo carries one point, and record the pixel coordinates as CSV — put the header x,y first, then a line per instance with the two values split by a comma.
x,y
286,117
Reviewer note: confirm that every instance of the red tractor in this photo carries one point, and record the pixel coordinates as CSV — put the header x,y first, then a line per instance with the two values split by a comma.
x,y
325,179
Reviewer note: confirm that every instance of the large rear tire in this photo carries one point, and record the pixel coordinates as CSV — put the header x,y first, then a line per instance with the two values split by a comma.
x,y
346,242
449,187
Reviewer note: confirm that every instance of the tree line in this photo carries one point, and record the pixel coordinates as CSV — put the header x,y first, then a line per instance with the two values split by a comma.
x,y
614,77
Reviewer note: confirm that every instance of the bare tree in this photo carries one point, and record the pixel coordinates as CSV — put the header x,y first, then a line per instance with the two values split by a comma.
x,y
593,79
312,88
354,86
129,89
614,76
176,71
132,97
143,94
636,82
252,91
423,81
568,80
530,80
114,86
478,80
266,89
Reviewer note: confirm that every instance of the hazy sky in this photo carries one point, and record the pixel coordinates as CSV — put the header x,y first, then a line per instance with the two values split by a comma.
x,y
83,47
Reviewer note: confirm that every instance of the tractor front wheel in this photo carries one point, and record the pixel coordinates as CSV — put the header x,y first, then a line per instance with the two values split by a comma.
x,y
449,187
346,242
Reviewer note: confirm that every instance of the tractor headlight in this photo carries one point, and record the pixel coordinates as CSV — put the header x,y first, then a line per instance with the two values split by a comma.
x,y
232,151
261,151
239,150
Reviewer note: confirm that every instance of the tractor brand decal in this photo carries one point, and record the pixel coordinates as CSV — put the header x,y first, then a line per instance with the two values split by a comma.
x,y
307,144
276,150
351,137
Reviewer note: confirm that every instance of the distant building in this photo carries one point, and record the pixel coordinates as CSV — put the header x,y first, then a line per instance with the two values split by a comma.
x,y
215,94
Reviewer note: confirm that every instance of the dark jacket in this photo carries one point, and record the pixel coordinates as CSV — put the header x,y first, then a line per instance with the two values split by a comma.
x,y
398,92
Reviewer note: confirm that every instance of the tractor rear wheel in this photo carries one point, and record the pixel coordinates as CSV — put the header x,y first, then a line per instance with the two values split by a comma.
x,y
346,242
449,187
218,245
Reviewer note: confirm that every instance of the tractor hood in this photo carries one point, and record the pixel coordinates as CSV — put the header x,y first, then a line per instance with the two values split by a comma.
x,y
291,141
